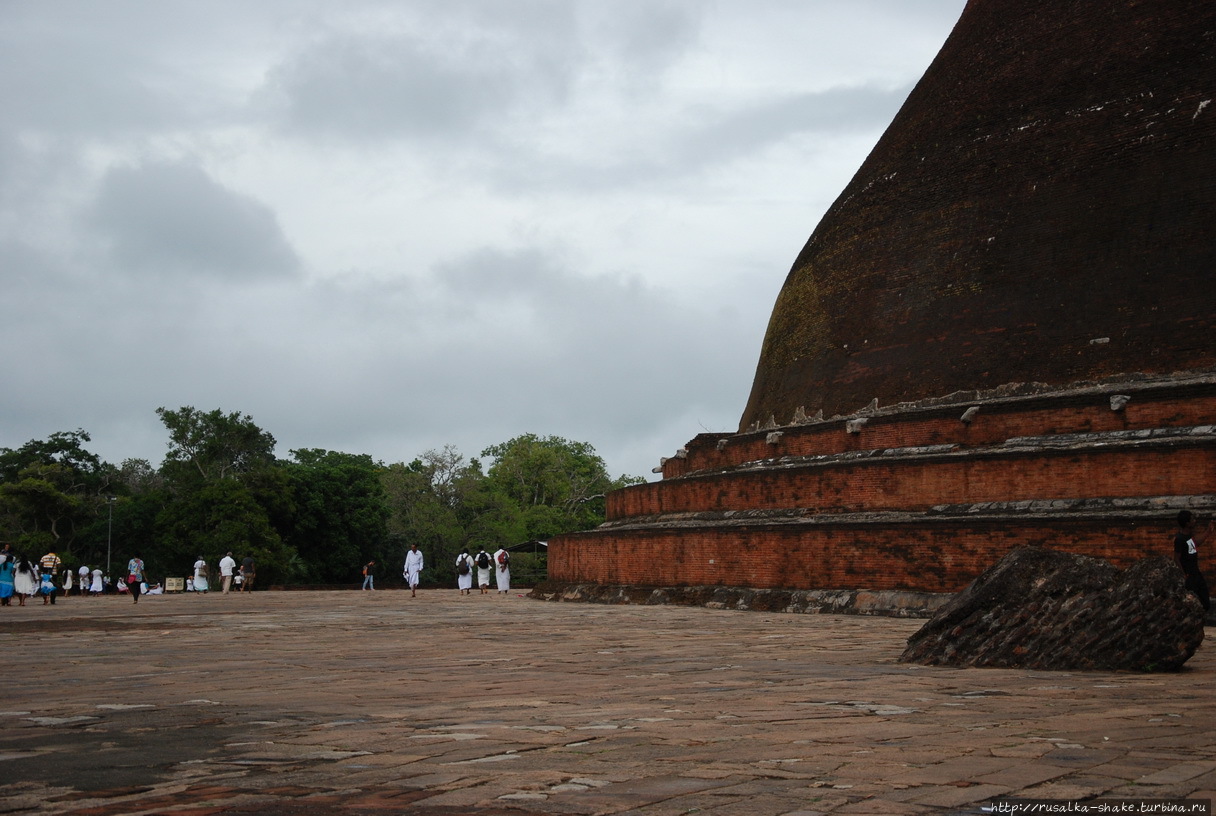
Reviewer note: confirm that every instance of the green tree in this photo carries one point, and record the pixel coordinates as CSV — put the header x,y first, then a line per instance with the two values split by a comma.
x,y
128,527
51,490
555,483
137,477
225,492
214,445
434,502
220,516
341,514
42,508
64,448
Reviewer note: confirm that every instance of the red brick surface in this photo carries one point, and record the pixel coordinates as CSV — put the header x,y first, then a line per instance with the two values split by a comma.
x,y
919,483
821,508
994,424
922,557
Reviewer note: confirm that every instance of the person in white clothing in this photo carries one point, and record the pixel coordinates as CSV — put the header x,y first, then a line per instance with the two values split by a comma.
x,y
502,570
227,567
464,572
83,573
200,575
484,565
97,587
25,580
413,568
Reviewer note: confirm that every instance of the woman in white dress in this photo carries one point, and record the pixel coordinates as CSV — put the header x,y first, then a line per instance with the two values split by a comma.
x,y
464,573
502,570
25,581
484,565
97,587
200,575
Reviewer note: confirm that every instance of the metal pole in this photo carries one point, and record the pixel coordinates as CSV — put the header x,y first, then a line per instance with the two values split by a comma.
x,y
109,530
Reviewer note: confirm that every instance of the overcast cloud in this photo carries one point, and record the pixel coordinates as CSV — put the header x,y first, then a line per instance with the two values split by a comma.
x,y
383,227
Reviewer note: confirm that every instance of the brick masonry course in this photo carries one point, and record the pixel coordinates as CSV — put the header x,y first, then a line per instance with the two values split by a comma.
x,y
915,499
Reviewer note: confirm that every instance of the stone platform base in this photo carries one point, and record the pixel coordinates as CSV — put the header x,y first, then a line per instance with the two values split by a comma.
x,y
886,603
918,496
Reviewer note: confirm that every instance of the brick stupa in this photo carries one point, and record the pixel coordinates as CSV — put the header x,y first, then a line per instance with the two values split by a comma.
x,y
1000,334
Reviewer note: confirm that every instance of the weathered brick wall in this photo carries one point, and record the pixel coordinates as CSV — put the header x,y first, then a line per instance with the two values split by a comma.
x,y
880,510
1086,413
921,482
924,557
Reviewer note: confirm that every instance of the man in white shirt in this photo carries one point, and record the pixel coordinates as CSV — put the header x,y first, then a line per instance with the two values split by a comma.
x,y
227,565
413,566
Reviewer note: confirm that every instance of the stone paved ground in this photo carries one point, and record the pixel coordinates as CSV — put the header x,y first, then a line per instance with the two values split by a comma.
x,y
375,703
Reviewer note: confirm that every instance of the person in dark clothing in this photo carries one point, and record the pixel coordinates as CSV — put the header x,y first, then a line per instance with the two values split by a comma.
x,y
1186,555
369,575
248,573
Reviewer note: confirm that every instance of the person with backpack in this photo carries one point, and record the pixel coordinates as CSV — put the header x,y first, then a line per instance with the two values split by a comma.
x,y
502,573
369,575
484,563
464,572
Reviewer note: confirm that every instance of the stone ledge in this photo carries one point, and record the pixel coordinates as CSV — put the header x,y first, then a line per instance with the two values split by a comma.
x,y
1155,509
1012,397
883,603
1206,432
1024,395
1165,439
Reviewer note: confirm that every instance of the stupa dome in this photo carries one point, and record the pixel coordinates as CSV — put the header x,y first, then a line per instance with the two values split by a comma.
x,y
1042,209
999,336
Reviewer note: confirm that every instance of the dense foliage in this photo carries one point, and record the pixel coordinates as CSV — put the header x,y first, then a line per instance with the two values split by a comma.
x,y
314,518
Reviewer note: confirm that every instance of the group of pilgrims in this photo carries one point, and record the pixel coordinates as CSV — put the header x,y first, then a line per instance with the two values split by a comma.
x,y
483,564
22,579
480,566
237,577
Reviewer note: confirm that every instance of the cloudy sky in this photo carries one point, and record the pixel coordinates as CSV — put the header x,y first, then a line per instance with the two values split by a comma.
x,y
386,226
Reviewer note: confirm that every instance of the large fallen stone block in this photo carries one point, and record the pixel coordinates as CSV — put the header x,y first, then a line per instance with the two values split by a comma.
x,y
1042,609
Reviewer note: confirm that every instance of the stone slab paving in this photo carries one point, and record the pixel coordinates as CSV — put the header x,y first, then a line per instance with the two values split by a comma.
x,y
377,703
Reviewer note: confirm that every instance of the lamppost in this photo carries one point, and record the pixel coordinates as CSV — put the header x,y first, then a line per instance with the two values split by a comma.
x,y
109,530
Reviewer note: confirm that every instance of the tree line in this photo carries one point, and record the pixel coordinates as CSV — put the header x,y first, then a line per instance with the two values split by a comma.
x,y
313,518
